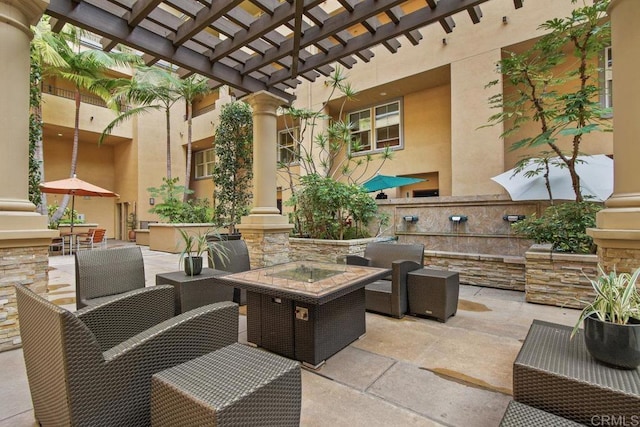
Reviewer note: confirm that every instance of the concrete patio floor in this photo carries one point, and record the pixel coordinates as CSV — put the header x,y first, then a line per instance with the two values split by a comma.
x,y
403,372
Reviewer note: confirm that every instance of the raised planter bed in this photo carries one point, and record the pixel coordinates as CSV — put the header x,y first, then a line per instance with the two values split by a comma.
x,y
322,250
559,279
166,237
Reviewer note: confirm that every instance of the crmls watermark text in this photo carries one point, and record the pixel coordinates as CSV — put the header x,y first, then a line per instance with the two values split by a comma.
x,y
615,420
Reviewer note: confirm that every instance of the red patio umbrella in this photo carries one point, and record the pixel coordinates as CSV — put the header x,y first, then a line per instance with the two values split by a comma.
x,y
75,186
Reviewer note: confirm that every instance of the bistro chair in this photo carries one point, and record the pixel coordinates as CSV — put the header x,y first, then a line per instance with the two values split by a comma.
x,y
95,238
231,256
103,274
389,295
93,367
57,246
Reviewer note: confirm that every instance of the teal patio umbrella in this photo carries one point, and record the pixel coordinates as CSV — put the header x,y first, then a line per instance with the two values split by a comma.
x,y
380,182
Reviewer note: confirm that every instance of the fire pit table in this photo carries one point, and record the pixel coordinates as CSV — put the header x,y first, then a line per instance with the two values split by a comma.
x,y
306,311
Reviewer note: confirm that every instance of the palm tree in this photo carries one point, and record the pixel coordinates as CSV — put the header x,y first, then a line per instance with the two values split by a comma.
x,y
87,71
151,88
155,88
190,89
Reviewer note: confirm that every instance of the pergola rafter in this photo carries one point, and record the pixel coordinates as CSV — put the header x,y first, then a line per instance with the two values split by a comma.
x,y
259,45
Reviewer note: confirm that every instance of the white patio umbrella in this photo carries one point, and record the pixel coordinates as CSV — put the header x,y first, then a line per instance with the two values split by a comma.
x,y
596,180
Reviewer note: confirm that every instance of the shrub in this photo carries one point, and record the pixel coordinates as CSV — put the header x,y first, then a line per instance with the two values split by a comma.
x,y
173,209
329,209
563,225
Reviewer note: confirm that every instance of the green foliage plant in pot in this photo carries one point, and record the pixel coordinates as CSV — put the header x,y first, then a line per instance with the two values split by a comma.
x,y
194,246
132,223
612,320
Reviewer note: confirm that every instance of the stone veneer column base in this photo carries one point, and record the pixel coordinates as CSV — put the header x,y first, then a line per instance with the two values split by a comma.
x,y
620,259
267,247
27,266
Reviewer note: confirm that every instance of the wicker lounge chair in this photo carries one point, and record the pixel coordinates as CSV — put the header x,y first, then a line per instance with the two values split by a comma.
x,y
101,274
231,256
389,295
81,373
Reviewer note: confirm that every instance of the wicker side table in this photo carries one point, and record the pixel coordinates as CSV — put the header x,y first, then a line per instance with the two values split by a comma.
x,y
433,293
557,374
236,385
195,291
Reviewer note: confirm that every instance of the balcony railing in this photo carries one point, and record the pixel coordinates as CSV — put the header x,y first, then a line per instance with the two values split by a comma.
x,y
70,94
202,110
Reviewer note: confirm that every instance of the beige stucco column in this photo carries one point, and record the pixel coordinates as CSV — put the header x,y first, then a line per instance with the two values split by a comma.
x,y
618,225
264,229
470,110
24,237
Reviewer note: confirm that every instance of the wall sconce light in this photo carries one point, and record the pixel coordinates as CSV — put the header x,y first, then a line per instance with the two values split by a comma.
x,y
152,201
513,218
505,20
412,219
458,218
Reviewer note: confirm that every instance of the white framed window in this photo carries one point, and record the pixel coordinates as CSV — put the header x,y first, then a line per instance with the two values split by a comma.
x,y
607,97
204,161
376,128
289,145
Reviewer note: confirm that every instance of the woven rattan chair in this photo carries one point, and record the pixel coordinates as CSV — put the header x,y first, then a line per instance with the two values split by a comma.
x,y
101,274
82,373
389,295
232,256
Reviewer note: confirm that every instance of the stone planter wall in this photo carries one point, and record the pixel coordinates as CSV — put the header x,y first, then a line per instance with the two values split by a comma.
x,y
494,271
321,250
142,237
559,279
166,237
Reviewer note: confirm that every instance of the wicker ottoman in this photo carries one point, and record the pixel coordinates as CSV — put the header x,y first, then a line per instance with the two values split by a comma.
x,y
433,293
236,385
521,415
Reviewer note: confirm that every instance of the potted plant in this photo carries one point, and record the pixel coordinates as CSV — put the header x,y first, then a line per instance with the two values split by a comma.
x,y
131,223
612,320
191,255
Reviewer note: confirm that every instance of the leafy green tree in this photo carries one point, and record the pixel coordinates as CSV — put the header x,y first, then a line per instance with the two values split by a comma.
x,y
564,104
150,88
330,209
331,152
233,171
87,70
